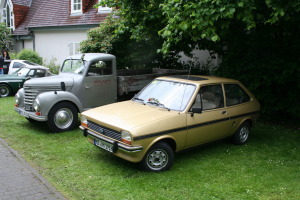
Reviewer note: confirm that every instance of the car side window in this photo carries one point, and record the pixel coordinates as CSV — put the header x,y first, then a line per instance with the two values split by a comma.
x,y
100,68
31,73
39,73
17,65
235,94
209,97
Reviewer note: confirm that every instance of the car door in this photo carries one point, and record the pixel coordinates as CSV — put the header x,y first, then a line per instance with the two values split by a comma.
x,y
213,121
100,84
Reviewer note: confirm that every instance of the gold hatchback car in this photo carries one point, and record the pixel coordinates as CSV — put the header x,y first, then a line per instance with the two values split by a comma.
x,y
172,114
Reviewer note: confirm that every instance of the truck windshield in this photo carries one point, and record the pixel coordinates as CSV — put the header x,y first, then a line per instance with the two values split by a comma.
x,y
73,66
167,94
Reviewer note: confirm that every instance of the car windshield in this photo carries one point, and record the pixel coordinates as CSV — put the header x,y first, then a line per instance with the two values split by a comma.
x,y
167,94
73,66
21,72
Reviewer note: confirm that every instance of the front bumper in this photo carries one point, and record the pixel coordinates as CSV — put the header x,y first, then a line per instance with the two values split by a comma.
x,y
31,115
116,145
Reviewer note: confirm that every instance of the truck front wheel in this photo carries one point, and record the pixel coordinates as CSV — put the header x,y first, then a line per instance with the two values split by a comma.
x,y
62,117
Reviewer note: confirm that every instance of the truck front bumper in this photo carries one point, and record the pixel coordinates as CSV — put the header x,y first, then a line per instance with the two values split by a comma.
x,y
115,144
31,115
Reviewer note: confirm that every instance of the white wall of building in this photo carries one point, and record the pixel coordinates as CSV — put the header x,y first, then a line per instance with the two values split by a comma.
x,y
58,44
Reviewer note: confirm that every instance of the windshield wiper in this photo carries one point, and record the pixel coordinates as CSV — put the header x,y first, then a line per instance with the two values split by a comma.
x,y
158,104
138,99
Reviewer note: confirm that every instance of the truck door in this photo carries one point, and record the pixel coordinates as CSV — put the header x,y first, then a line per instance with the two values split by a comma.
x,y
100,83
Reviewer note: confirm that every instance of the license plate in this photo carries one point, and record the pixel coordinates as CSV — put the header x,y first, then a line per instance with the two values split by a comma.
x,y
25,114
104,145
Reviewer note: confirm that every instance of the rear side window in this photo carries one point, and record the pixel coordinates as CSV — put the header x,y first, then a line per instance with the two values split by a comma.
x,y
235,94
17,65
100,68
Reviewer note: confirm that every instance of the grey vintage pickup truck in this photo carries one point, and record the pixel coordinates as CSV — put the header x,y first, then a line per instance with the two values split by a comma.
x,y
85,81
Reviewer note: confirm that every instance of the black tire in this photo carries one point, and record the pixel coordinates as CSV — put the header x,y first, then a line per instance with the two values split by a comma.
x,y
5,90
159,158
62,117
242,134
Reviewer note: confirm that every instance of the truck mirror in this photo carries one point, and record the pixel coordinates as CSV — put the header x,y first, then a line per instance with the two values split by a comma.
x,y
197,110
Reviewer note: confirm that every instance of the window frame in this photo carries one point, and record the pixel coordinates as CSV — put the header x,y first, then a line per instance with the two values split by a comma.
x,y
78,11
103,9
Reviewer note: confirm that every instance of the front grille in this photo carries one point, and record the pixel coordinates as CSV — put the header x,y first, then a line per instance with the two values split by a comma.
x,y
104,131
31,93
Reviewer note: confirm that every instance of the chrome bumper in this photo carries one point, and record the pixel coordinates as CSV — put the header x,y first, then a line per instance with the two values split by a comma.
x,y
116,144
31,115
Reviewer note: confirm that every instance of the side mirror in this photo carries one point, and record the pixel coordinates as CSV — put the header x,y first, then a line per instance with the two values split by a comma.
x,y
28,78
196,110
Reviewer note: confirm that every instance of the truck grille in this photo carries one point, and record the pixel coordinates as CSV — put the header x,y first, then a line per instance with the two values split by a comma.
x,y
104,131
31,93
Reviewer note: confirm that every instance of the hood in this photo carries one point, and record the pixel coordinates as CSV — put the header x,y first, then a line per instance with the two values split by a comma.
x,y
50,81
11,77
128,115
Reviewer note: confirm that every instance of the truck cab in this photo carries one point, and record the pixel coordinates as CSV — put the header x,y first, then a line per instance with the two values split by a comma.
x,y
84,81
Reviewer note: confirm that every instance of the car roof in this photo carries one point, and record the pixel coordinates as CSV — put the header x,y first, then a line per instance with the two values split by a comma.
x,y
198,79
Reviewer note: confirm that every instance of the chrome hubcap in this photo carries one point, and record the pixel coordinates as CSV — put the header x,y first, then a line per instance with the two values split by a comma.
x,y
3,91
244,132
63,118
157,159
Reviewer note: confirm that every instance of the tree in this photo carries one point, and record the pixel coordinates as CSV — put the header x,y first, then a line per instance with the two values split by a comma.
x,y
258,40
5,37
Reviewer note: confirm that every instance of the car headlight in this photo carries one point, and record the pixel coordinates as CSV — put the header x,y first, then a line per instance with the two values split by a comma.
x,y
126,137
83,120
36,105
17,99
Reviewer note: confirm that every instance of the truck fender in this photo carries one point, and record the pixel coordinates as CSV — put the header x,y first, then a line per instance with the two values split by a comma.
x,y
48,99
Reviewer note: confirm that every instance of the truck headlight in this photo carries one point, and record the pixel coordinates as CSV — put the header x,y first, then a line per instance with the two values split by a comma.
x,y
83,120
17,100
36,105
126,137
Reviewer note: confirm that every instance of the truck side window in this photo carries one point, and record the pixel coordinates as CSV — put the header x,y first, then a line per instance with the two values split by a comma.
x,y
235,94
100,68
209,97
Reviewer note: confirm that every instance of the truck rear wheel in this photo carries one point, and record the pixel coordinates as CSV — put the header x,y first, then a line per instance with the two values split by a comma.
x,y
62,117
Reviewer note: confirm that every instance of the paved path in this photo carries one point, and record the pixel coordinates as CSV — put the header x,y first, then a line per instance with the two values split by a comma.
x,y
19,181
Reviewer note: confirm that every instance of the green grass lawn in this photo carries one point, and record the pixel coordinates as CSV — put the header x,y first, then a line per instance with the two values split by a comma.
x,y
267,167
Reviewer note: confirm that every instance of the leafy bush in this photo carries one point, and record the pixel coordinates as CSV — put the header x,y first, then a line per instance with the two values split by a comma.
x,y
30,55
267,62
53,67
130,53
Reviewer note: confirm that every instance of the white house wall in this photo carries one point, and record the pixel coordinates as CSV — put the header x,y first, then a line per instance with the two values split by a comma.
x,y
55,44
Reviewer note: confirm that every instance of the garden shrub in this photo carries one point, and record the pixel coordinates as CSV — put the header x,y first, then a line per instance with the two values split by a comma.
x,y
30,55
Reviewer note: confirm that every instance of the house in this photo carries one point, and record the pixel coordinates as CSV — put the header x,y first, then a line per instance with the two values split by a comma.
x,y
53,28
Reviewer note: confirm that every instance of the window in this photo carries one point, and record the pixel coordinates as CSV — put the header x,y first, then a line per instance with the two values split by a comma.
x,y
104,9
76,6
17,65
209,97
100,68
74,48
235,94
7,15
